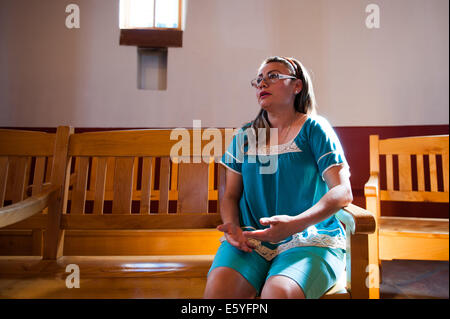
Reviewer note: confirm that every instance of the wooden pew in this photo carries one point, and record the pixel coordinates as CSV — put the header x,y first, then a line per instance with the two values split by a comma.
x,y
408,237
120,174
35,195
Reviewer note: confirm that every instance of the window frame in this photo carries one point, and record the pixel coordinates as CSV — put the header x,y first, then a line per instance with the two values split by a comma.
x,y
154,37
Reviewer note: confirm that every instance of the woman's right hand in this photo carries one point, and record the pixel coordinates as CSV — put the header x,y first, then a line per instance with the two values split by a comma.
x,y
234,236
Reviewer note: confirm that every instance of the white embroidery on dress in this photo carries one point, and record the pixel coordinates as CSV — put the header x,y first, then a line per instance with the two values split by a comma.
x,y
313,239
290,147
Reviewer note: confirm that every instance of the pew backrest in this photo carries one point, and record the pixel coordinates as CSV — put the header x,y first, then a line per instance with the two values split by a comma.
x,y
129,180
415,169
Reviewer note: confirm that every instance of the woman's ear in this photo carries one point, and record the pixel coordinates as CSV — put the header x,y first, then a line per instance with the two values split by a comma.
x,y
298,86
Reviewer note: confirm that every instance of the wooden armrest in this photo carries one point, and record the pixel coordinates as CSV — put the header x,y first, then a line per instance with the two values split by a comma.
x,y
22,210
371,187
359,220
30,188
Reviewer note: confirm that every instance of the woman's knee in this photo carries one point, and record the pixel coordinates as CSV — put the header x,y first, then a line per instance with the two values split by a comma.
x,y
281,287
227,283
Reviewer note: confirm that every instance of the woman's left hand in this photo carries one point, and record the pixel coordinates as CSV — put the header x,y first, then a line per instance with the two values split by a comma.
x,y
281,227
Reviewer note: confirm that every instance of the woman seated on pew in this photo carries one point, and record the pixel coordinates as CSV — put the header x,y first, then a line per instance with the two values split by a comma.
x,y
282,239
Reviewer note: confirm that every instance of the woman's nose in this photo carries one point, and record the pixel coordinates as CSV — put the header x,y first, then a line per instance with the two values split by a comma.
x,y
263,83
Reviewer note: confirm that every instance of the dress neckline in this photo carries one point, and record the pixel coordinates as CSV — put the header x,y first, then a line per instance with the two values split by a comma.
x,y
299,131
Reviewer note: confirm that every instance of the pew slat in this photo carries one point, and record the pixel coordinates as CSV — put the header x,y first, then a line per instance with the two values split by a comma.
x,y
146,185
433,173
193,187
404,167
123,185
17,178
79,190
420,173
100,180
164,178
39,172
389,172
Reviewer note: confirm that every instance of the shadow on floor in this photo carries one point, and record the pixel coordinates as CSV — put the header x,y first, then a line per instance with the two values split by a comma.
x,y
414,279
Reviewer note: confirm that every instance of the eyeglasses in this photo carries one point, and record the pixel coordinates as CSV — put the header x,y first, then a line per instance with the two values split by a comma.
x,y
270,79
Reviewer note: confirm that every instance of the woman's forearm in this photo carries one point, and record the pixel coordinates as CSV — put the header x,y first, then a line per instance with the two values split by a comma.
x,y
282,226
336,198
229,210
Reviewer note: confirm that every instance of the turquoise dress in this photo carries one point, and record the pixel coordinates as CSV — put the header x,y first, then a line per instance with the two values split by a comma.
x,y
287,180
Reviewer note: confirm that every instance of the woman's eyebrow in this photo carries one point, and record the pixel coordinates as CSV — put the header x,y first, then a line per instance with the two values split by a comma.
x,y
270,72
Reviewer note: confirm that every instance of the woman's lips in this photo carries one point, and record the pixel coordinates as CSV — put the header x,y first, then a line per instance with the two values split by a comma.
x,y
264,94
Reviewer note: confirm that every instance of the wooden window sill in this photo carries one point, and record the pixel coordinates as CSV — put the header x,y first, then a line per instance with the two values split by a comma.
x,y
151,38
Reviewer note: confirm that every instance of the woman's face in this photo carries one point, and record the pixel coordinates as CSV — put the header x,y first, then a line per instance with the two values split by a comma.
x,y
282,93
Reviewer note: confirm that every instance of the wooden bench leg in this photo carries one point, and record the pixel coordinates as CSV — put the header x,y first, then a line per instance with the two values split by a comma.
x,y
364,276
54,235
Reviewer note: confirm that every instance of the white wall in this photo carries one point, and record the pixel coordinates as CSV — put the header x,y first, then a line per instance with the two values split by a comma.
x,y
394,75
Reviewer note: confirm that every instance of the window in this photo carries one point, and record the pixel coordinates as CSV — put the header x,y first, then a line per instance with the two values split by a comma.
x,y
150,14
152,26
151,23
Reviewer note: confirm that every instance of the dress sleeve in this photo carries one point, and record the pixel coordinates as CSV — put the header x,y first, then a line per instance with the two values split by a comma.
x,y
325,146
234,154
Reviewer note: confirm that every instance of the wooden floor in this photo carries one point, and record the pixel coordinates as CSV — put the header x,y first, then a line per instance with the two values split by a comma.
x,y
415,279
